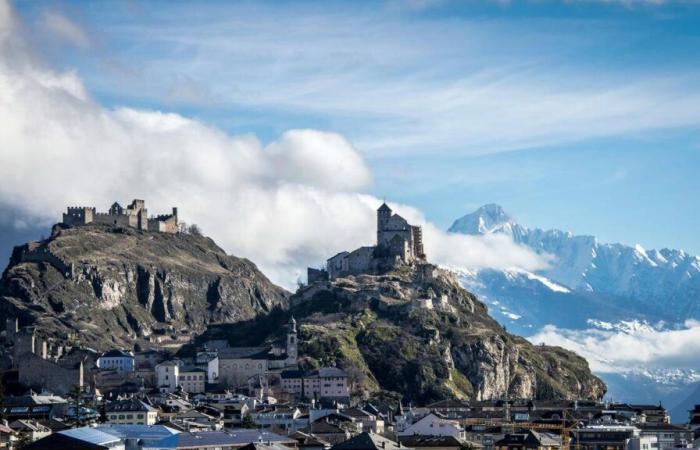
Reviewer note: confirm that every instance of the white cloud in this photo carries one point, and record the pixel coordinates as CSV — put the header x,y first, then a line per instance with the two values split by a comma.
x,y
62,28
625,348
426,85
284,205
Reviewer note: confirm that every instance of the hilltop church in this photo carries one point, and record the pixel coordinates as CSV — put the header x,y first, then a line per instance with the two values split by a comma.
x,y
398,243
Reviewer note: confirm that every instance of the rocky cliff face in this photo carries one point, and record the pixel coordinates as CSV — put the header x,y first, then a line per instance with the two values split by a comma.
x,y
418,333
105,287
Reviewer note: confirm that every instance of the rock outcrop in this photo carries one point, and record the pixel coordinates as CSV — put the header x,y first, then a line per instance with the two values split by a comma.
x,y
102,287
417,332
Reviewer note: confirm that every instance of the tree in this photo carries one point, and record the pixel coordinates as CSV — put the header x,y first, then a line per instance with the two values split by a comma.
x,y
103,413
194,230
77,395
248,422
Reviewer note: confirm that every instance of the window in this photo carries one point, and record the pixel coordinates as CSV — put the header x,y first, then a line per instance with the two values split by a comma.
x,y
139,416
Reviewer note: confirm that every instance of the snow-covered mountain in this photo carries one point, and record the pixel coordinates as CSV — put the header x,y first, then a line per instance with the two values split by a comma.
x,y
662,282
593,294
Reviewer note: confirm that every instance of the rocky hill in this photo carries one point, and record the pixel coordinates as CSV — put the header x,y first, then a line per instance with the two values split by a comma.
x,y
417,332
102,287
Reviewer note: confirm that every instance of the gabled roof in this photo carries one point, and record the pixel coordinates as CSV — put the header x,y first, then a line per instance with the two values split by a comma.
x,y
129,405
223,438
418,440
368,441
355,412
448,403
323,428
530,439
384,208
244,353
62,441
116,353
308,440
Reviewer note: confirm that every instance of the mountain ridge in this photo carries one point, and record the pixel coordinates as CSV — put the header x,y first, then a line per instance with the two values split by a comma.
x,y
104,286
583,263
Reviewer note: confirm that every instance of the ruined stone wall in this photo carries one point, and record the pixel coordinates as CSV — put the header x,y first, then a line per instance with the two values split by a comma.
x,y
316,275
44,254
37,372
164,224
78,215
121,220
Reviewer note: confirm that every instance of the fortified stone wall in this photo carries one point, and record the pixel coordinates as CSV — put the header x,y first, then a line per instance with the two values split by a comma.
x,y
43,254
41,373
135,216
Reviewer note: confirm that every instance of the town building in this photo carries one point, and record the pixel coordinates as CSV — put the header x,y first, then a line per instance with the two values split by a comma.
x,y
192,379
418,442
611,437
369,441
131,412
667,436
531,440
367,420
238,365
434,425
118,360
329,383
167,376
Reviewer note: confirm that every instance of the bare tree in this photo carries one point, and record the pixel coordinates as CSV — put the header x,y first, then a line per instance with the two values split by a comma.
x,y
194,230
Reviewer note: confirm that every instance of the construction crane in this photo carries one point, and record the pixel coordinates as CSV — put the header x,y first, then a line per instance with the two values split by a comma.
x,y
564,427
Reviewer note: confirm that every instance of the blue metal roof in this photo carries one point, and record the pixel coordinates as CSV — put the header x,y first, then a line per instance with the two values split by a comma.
x,y
221,438
90,435
144,432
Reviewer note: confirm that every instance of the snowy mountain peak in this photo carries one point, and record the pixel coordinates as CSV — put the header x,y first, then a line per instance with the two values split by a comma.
x,y
489,218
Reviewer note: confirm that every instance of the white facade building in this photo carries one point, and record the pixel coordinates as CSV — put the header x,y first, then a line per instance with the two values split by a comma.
x,y
118,360
327,382
167,376
432,425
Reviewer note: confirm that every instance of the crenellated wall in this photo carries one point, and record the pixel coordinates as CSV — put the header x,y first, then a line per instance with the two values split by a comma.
x,y
135,216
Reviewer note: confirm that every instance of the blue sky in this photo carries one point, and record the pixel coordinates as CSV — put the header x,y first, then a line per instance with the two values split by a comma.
x,y
580,115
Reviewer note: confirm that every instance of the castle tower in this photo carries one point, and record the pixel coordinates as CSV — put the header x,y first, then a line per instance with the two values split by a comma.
x,y
383,216
292,343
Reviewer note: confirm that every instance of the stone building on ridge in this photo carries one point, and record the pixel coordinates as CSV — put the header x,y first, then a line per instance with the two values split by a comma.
x,y
398,243
134,215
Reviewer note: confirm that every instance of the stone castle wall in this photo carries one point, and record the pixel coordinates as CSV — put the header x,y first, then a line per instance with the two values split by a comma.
x,y
44,254
35,371
134,216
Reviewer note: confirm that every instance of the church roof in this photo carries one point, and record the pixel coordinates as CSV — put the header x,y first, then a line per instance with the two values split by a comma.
x,y
384,207
116,353
244,353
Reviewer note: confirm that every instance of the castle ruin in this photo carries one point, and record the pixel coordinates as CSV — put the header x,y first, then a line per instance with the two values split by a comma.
x,y
134,215
398,243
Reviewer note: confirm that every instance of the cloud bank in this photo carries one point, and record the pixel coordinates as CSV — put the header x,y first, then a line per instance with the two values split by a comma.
x,y
285,204
630,345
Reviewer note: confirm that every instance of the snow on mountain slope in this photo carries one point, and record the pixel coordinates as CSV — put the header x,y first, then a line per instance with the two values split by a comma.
x,y
595,297
664,282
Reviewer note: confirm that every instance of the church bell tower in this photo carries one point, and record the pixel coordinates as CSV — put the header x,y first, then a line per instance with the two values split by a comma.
x,y
292,343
